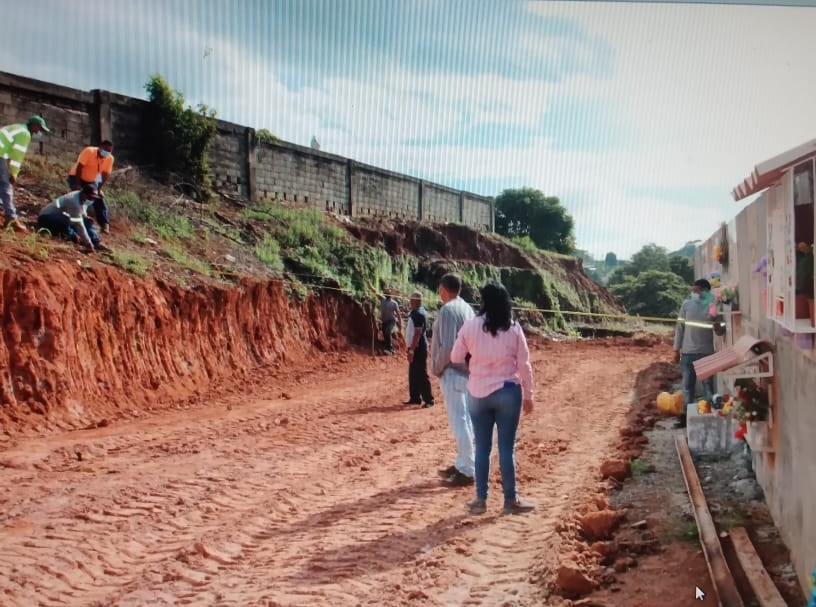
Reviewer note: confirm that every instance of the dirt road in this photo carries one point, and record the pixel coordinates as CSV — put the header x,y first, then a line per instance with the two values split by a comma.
x,y
315,488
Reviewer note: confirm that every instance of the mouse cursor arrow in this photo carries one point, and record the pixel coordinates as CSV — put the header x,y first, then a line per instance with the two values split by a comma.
x,y
698,593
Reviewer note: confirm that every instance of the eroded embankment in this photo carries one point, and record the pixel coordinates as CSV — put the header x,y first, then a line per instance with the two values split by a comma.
x,y
82,341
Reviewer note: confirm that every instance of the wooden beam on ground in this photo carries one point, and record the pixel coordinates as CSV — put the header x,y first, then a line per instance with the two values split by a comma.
x,y
721,577
766,591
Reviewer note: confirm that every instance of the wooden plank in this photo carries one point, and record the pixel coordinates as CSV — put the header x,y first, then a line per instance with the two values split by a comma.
x,y
766,591
723,581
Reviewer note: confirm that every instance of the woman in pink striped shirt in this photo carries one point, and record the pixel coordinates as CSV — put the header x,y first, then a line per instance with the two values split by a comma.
x,y
500,386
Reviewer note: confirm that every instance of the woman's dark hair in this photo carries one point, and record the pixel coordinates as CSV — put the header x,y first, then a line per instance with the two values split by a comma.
x,y
497,308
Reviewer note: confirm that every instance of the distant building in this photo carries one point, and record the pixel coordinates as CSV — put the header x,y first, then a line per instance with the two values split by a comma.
x,y
315,143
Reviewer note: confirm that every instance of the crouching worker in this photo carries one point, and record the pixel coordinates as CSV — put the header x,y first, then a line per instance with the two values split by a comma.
x,y
66,217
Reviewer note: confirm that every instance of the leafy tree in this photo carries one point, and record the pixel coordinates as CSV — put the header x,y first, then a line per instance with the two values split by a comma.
x,y
265,136
683,267
528,212
650,257
611,260
178,139
652,293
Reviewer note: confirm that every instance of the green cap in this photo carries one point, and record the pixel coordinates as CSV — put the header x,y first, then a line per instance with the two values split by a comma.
x,y
39,121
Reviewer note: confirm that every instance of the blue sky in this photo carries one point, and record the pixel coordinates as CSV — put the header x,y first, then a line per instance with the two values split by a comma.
x,y
641,117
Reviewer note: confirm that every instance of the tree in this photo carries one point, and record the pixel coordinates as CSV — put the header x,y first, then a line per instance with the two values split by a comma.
x,y
650,257
611,260
178,139
683,267
652,293
528,212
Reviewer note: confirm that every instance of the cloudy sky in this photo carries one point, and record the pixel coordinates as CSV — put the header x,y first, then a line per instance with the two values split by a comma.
x,y
640,117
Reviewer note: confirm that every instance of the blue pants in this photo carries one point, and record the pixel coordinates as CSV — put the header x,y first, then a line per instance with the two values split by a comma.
x,y
388,334
454,391
100,207
60,225
7,192
502,409
690,380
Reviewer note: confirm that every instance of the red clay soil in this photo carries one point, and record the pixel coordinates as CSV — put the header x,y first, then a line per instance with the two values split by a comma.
x,y
84,342
309,486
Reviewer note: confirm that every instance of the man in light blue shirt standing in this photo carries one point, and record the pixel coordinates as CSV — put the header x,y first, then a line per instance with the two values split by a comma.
x,y
453,378
693,340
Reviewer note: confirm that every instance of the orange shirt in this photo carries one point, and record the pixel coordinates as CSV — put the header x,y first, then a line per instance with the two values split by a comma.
x,y
92,164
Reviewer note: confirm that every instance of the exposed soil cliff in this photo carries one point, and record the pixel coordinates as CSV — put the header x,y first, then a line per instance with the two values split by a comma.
x,y
81,342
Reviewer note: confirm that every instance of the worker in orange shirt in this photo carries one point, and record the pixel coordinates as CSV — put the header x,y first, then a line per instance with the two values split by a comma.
x,y
93,166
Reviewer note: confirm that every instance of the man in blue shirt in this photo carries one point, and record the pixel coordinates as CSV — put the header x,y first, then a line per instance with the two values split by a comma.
x,y
693,340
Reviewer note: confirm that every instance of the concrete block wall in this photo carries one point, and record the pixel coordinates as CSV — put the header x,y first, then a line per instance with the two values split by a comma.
x,y
293,173
239,164
788,474
478,212
70,113
380,193
121,123
440,203
229,166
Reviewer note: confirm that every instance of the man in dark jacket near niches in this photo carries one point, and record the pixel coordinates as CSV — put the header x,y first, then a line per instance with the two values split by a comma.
x,y
416,340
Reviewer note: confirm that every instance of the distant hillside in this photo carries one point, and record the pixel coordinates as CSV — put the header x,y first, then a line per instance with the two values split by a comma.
x,y
688,249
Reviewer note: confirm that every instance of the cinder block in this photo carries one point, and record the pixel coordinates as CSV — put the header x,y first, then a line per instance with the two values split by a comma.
x,y
710,433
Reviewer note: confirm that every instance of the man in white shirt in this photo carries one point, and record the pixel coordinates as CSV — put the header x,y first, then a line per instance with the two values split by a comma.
x,y
453,378
66,217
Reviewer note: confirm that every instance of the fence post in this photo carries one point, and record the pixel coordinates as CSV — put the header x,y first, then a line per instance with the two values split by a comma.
x,y
102,117
251,168
461,206
420,200
349,175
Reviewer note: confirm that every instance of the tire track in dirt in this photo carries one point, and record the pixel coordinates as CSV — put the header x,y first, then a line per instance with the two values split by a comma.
x,y
337,505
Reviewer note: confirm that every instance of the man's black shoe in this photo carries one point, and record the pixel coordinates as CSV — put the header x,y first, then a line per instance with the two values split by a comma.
x,y
426,405
412,402
447,472
457,479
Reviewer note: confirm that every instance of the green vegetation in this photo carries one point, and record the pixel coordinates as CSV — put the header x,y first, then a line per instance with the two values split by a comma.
x,y
163,221
305,243
177,139
528,212
265,136
131,262
653,282
686,531
641,467
176,253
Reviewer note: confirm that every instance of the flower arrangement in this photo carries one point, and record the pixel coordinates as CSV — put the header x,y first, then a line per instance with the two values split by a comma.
x,y
751,404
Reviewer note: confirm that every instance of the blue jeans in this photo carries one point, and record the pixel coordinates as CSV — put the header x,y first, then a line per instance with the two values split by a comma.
x,y
60,225
690,380
502,408
388,334
454,390
7,191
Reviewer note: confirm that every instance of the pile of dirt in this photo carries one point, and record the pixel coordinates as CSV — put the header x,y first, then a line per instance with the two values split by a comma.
x,y
604,540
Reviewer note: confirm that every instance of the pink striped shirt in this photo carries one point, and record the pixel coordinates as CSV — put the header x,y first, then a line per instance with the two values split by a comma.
x,y
494,360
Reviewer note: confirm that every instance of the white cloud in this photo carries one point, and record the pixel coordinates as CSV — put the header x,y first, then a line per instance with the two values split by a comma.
x,y
704,91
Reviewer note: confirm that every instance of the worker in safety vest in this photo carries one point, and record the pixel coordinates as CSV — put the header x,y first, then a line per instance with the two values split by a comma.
x,y
65,217
14,140
93,166
693,340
